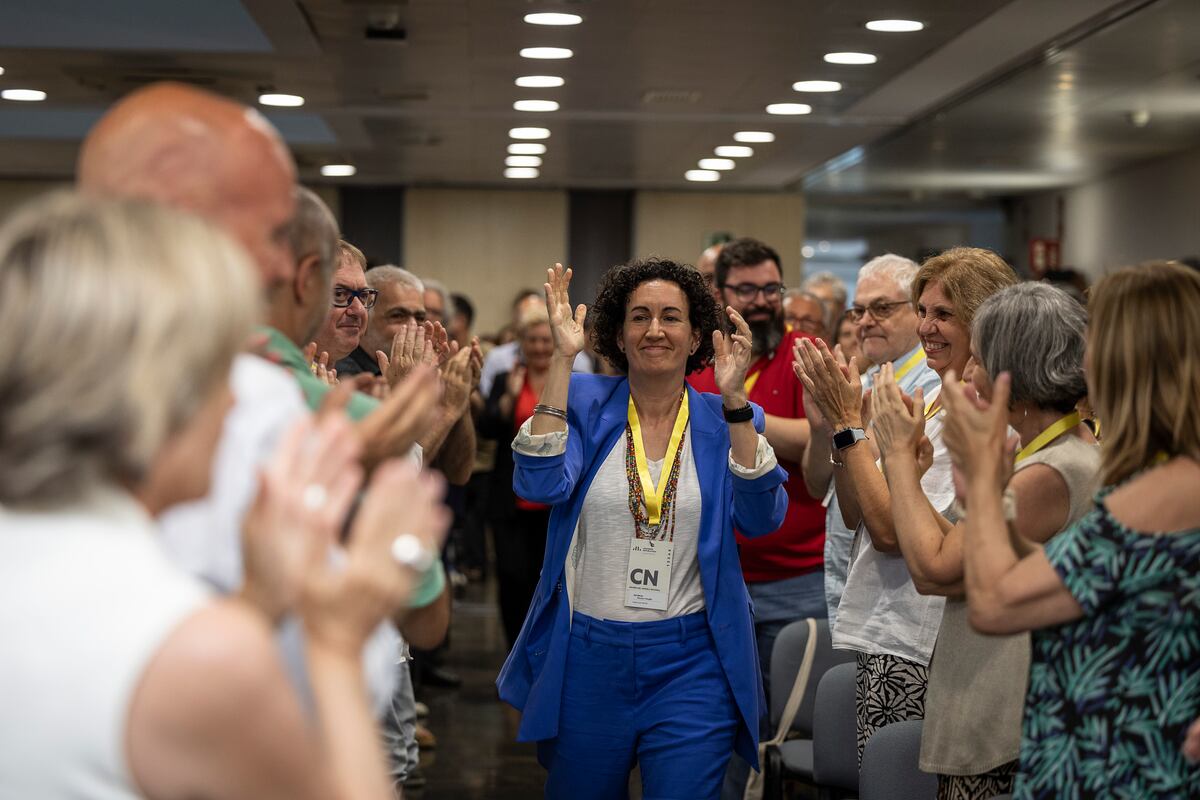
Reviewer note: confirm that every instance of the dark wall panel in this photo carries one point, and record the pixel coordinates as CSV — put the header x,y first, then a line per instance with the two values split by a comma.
x,y
600,234
373,220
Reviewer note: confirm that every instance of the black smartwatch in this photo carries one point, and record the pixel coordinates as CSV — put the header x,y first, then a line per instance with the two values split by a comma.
x,y
848,437
743,414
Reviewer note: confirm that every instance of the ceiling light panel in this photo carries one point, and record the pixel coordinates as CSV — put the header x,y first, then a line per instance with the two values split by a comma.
x,y
535,105
717,163
816,86
789,109
539,81
754,137
281,100
702,175
545,52
529,133
734,151
850,58
521,173
522,161
895,25
338,170
552,18
24,95
526,149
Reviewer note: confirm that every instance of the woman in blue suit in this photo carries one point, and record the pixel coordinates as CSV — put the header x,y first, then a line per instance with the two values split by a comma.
x,y
639,647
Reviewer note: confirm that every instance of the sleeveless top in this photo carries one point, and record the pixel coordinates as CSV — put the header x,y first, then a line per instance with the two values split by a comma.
x,y
976,693
87,598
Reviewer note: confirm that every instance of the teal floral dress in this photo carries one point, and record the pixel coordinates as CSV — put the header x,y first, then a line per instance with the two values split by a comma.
x,y
1111,695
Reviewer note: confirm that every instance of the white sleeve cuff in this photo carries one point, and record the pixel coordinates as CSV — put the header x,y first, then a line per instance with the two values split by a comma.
x,y
539,444
764,461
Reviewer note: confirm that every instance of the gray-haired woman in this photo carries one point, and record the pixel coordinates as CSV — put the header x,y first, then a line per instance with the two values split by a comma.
x,y
976,693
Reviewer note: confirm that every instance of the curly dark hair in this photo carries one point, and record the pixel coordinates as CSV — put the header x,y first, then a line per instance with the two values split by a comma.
x,y
608,312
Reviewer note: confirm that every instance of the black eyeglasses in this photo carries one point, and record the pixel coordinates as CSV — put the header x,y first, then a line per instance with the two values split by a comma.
x,y
748,291
343,297
878,309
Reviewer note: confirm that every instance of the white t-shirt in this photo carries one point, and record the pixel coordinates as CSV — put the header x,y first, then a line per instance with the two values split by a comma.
x,y
601,549
881,612
87,599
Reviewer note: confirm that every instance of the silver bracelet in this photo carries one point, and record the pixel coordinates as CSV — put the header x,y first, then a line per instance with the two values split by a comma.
x,y
550,411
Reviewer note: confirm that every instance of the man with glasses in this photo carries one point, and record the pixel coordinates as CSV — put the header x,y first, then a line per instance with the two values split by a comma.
x,y
351,300
804,312
886,327
400,301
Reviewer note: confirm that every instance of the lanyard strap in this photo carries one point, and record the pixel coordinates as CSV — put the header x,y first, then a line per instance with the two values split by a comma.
x,y
1047,436
654,494
933,407
913,360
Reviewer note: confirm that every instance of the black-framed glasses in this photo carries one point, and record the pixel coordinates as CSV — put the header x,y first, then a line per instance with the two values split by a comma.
x,y
748,291
879,309
343,297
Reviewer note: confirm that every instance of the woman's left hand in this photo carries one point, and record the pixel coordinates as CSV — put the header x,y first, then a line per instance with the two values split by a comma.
x,y
733,353
898,420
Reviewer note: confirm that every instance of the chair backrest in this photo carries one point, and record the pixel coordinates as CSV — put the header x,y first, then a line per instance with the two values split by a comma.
x,y
786,656
889,765
835,732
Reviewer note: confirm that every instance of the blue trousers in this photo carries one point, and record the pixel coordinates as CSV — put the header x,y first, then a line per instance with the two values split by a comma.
x,y
650,693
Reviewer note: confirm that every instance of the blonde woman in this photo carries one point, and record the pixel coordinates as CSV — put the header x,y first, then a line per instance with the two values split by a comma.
x,y
122,676
1114,601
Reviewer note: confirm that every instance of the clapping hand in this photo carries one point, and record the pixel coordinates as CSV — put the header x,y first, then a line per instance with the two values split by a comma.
x,y
413,344
834,386
976,433
393,427
731,359
460,376
899,420
565,326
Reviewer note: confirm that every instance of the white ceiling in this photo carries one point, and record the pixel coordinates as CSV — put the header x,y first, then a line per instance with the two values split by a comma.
x,y
654,85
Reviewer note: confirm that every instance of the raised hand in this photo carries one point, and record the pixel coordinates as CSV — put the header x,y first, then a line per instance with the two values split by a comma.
x,y
835,388
565,326
459,379
732,356
412,345
392,428
303,496
343,603
899,420
444,348
976,432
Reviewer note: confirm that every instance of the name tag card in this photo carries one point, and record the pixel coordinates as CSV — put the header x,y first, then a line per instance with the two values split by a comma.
x,y
648,577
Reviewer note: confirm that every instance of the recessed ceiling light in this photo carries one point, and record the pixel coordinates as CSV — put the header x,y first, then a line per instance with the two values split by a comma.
x,y
807,251
529,133
717,163
535,105
817,86
552,18
705,175
545,52
338,170
526,149
895,25
1,70
522,161
734,151
850,58
521,172
789,108
754,136
285,100
24,95
539,81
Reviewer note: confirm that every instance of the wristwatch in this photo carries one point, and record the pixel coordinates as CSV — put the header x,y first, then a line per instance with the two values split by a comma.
x,y
743,414
848,437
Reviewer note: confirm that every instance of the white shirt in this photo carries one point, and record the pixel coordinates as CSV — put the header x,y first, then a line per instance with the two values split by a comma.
x,y
87,599
601,549
204,537
881,611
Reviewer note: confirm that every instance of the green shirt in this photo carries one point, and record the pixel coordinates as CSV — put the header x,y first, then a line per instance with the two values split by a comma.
x,y
360,405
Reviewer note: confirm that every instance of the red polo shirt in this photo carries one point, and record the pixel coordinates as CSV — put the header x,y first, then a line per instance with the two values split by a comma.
x,y
798,546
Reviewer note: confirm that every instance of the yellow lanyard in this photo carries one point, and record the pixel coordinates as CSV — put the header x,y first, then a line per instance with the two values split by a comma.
x,y
933,407
654,494
1049,435
907,366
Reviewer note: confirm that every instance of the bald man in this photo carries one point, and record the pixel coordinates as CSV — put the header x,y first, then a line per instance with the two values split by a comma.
x,y
707,265
190,149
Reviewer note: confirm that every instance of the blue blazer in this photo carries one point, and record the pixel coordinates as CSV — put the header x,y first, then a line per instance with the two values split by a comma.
x,y
532,677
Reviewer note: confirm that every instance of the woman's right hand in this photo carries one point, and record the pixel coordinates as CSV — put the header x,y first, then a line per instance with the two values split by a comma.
x,y
566,327
835,388
345,599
